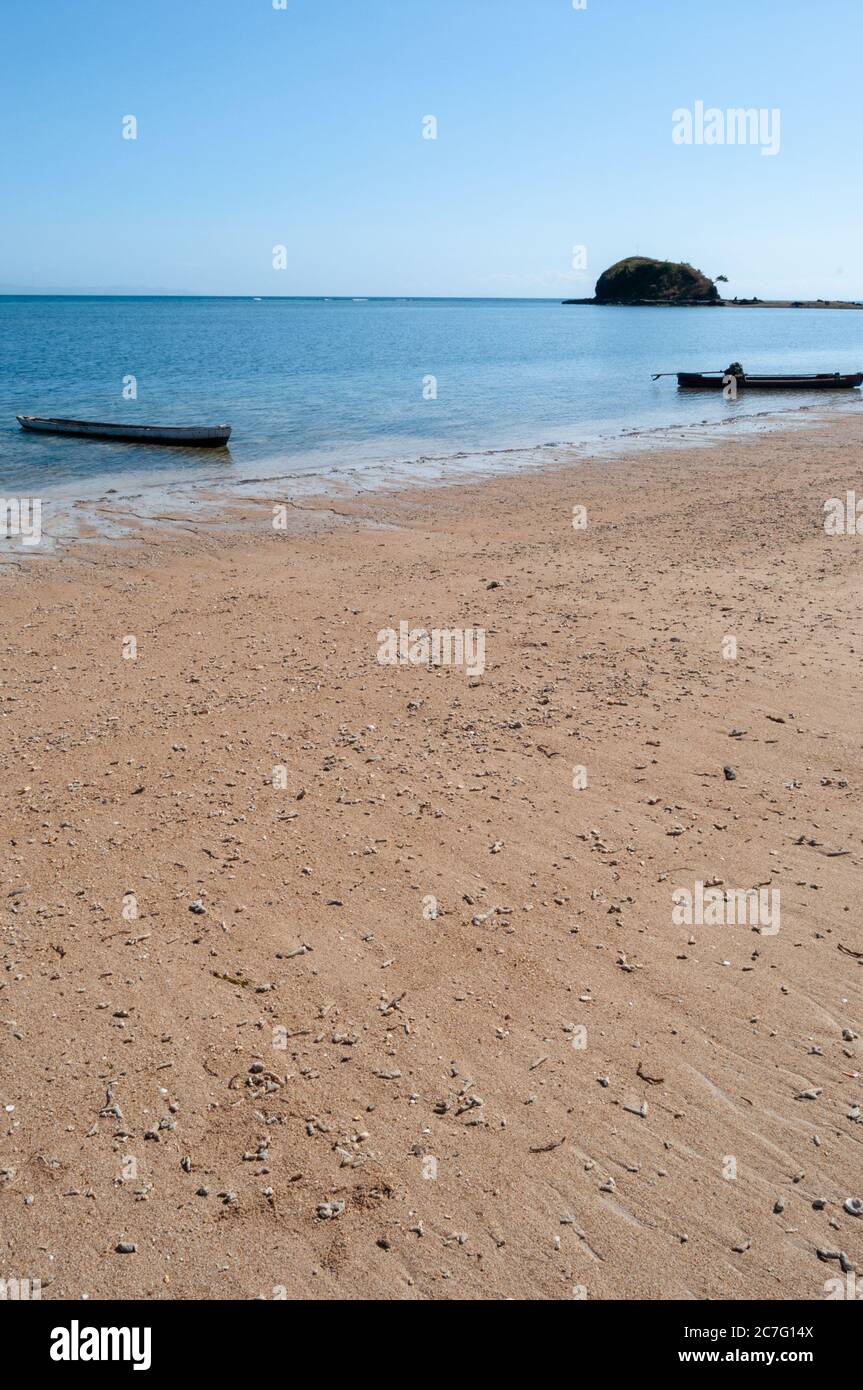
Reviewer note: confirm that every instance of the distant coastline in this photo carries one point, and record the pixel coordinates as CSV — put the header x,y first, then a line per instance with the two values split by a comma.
x,y
642,281
721,303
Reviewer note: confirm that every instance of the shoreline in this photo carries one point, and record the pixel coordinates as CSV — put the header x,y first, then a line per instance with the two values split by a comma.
x,y
420,972
98,516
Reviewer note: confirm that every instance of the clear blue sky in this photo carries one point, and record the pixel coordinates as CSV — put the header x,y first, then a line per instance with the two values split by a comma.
x,y
302,127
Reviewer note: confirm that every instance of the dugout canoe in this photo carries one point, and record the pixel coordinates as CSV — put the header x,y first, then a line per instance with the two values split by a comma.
x,y
812,381
212,436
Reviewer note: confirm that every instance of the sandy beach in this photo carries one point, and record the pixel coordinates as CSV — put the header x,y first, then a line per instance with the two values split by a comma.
x,y
330,977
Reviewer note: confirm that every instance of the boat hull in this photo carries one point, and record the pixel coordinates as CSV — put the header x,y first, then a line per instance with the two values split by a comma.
x,y
825,381
199,436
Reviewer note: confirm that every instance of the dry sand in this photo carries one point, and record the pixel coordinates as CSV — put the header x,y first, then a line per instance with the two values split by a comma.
x,y
316,1035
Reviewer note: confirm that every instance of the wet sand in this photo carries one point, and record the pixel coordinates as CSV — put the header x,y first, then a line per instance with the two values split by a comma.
x,y
329,978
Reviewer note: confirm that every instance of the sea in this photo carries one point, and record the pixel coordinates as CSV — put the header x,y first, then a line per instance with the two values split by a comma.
x,y
366,392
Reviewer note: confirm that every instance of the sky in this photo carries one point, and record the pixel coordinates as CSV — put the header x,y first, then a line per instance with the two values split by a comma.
x,y
302,127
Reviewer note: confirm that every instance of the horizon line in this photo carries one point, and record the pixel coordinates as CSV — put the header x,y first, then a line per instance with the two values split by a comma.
x,y
346,298
196,294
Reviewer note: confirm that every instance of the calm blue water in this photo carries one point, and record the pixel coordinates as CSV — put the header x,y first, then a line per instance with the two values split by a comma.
x,y
316,385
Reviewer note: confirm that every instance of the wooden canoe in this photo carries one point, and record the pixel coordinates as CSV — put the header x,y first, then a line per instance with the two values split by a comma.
x,y
212,436
820,381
